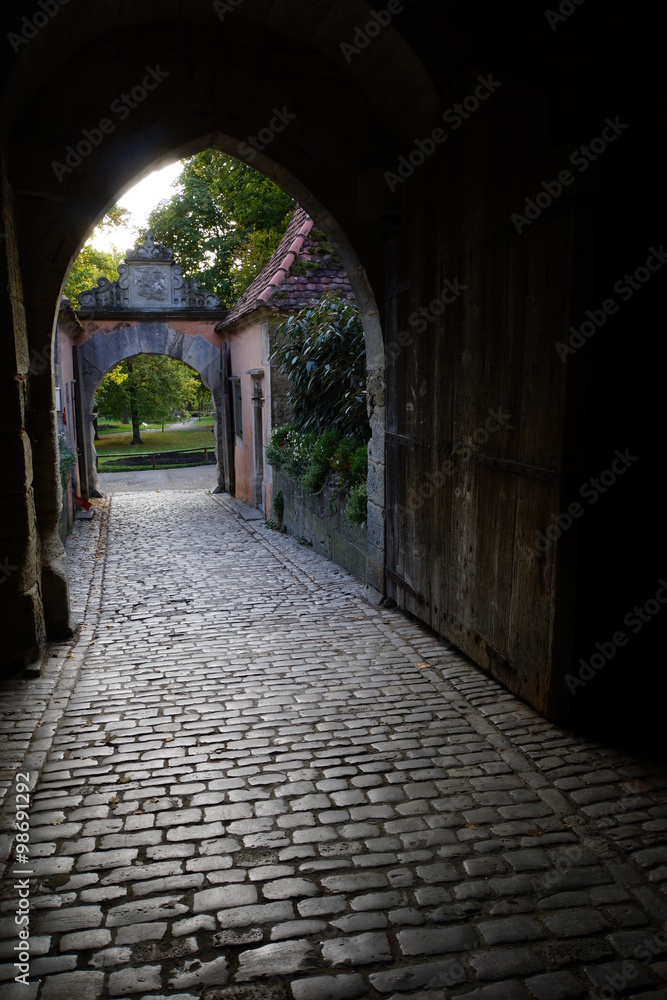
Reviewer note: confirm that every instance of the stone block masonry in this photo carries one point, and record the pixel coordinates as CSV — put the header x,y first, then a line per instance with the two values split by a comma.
x,y
330,534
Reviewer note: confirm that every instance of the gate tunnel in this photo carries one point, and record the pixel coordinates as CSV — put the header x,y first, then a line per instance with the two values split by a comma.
x,y
414,194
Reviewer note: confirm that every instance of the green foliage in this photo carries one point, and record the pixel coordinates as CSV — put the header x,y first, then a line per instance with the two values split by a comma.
x,y
356,509
291,449
342,459
322,351
160,387
359,464
68,459
279,505
92,263
224,222
300,452
274,449
319,469
328,464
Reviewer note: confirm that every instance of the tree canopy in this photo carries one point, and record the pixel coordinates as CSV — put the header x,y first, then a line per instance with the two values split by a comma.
x,y
150,388
223,223
93,263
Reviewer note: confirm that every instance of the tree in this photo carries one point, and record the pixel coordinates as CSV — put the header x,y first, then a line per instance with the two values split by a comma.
x,y
224,224
150,388
93,263
321,350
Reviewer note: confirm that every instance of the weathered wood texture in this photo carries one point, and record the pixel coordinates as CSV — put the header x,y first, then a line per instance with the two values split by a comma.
x,y
482,384
225,427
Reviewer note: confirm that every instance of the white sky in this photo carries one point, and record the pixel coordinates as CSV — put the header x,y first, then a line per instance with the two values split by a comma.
x,y
140,201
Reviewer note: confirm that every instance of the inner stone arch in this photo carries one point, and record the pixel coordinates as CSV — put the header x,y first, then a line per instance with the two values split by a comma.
x,y
108,348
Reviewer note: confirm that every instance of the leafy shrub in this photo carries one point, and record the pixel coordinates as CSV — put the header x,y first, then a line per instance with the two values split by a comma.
x,y
342,459
299,453
274,449
323,353
359,464
68,460
290,448
279,505
319,469
330,464
356,508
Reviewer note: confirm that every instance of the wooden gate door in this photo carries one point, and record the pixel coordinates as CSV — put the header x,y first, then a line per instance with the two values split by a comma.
x,y
224,426
476,446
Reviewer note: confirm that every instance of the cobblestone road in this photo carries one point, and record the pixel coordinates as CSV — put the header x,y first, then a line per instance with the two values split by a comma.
x,y
249,784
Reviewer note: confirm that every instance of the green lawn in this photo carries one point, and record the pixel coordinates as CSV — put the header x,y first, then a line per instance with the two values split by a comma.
x,y
107,428
114,444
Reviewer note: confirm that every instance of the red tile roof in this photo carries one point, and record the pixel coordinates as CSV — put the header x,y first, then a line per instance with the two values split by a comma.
x,y
302,269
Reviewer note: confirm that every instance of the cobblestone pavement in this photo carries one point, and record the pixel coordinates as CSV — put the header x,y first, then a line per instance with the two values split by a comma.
x,y
250,784
195,477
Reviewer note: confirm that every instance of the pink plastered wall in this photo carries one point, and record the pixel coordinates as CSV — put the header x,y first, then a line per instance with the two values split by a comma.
x,y
67,415
246,352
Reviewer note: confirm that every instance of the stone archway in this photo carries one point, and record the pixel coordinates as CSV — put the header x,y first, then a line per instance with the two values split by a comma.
x,y
105,350
152,309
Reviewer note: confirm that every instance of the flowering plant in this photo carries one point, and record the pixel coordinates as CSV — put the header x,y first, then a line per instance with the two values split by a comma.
x,y
290,448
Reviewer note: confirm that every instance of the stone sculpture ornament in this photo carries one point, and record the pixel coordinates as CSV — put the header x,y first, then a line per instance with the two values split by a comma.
x,y
161,286
149,250
152,284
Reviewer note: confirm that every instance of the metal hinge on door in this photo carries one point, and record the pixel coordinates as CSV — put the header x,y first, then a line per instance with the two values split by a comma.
x,y
402,439
404,585
520,469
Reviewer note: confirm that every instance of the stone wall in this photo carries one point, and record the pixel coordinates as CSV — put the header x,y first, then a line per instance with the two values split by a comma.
x,y
22,623
332,536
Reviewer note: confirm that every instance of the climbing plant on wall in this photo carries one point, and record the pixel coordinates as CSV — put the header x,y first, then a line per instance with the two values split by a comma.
x,y
322,351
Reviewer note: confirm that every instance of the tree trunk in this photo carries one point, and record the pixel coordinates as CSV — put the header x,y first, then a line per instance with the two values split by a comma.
x,y
136,429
